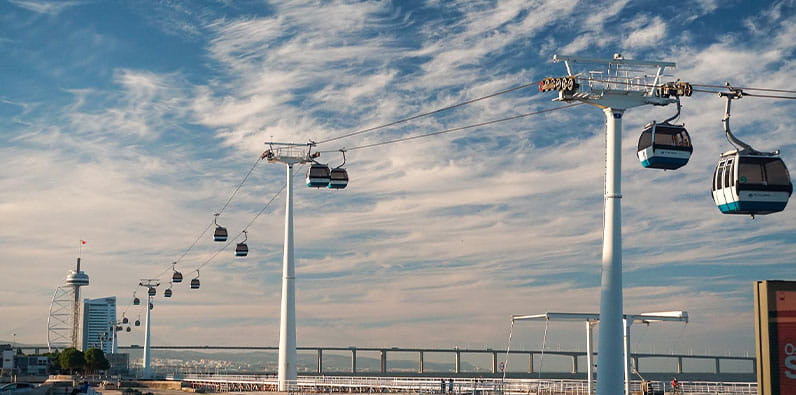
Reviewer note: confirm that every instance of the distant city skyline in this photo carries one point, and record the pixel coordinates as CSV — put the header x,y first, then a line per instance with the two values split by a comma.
x,y
129,124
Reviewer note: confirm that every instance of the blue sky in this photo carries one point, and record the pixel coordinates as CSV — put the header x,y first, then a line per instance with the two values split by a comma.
x,y
128,124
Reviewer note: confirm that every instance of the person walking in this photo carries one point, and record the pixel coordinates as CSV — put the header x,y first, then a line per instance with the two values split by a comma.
x,y
676,386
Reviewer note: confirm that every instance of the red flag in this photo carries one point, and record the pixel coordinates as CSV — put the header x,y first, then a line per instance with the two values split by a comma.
x,y
83,242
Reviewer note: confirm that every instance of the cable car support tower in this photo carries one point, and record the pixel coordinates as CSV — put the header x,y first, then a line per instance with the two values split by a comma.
x,y
151,286
289,154
620,84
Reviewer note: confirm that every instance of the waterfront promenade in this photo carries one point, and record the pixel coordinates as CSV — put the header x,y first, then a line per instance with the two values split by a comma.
x,y
439,385
523,363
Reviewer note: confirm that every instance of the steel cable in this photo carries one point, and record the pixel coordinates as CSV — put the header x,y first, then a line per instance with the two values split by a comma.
x,y
439,110
456,129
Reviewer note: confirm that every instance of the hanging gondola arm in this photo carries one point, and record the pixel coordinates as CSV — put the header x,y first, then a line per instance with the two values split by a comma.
x,y
736,93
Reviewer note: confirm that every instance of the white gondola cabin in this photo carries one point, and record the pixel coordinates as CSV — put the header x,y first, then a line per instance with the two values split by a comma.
x,y
241,249
338,178
751,183
664,146
318,176
220,234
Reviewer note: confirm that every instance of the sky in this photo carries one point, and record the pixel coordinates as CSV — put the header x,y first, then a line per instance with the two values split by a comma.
x,y
128,124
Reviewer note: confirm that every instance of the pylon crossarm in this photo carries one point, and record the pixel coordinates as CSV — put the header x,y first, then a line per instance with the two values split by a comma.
x,y
290,153
618,83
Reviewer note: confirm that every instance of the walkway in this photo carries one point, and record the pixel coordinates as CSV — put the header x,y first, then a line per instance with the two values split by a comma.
x,y
330,384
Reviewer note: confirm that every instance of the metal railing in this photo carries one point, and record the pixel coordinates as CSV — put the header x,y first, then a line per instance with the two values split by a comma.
x,y
328,384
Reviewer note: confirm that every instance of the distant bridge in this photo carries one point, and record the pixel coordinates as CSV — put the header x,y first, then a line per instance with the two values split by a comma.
x,y
747,372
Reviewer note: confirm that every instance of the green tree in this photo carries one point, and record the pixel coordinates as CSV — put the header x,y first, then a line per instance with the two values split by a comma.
x,y
95,360
71,359
53,362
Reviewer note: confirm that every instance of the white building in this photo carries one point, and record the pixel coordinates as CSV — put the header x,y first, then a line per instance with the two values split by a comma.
x,y
8,360
99,316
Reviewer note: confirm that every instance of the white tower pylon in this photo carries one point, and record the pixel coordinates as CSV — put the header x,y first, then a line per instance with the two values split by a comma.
x,y
151,286
289,154
624,84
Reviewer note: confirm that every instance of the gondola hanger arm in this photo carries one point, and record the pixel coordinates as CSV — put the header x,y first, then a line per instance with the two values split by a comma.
x,y
734,94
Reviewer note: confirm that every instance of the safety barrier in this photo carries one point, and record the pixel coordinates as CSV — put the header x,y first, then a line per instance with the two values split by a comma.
x,y
329,384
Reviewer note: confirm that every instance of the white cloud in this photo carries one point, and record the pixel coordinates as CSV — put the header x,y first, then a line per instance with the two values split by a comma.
x,y
582,42
647,33
598,17
45,7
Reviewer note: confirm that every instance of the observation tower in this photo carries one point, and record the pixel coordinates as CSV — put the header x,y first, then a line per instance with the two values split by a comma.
x,y
63,324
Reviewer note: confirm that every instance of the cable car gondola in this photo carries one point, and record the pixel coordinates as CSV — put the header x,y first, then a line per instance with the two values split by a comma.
x,y
221,232
128,329
151,291
747,181
167,293
124,319
242,249
338,177
195,281
664,145
177,276
318,175
136,301
751,183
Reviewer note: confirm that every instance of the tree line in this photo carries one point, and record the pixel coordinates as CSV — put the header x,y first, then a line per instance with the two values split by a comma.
x,y
74,360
